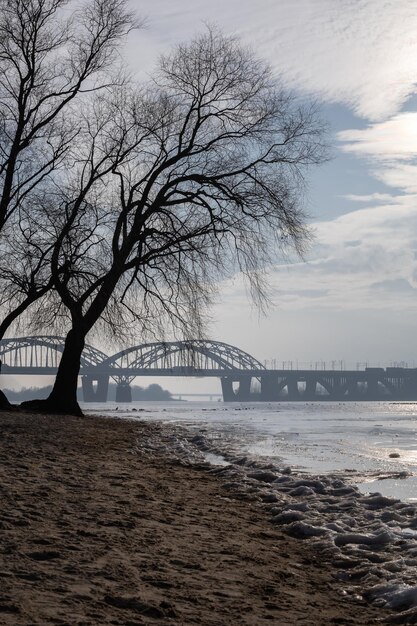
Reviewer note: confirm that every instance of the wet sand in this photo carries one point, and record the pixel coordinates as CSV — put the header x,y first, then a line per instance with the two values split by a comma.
x,y
94,532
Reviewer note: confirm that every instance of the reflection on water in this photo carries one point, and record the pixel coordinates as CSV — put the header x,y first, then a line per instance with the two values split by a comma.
x,y
401,488
363,438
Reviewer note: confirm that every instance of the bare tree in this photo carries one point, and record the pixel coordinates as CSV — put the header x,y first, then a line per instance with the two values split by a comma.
x,y
46,61
210,161
53,56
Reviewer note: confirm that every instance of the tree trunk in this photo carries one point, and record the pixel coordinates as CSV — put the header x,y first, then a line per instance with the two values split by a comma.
x,y
5,404
63,397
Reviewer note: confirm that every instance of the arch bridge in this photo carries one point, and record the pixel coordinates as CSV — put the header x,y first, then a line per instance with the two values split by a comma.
x,y
243,378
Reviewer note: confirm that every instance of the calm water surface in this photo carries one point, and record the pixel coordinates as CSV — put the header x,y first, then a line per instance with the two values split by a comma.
x,y
356,438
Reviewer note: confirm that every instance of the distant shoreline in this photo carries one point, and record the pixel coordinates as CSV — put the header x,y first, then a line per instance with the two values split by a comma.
x,y
152,393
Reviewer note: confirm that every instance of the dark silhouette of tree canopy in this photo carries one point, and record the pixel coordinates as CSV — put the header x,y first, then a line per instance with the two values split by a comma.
x,y
201,176
53,57
46,61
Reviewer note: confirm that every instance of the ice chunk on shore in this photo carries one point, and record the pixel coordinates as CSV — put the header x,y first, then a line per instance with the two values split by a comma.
x,y
381,538
263,476
303,530
302,490
378,501
287,517
395,596
316,485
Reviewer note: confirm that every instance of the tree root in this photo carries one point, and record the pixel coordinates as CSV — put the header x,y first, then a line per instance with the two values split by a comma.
x,y
5,404
51,407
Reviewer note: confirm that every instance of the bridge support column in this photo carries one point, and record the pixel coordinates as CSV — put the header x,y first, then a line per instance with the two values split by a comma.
x,y
123,392
269,388
372,388
99,394
227,390
410,386
243,393
353,392
292,386
311,387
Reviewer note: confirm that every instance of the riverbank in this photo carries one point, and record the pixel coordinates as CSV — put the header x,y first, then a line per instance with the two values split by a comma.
x,y
98,528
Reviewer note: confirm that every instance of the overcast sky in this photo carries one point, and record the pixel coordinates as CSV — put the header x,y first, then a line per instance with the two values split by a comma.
x,y
355,296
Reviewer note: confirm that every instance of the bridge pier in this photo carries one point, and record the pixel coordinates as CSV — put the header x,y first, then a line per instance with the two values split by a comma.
x,y
372,388
353,391
227,390
409,387
99,394
243,392
292,387
269,388
123,392
311,388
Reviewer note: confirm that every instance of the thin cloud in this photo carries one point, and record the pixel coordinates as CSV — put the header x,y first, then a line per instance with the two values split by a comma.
x,y
371,198
395,138
362,53
381,264
400,176
390,147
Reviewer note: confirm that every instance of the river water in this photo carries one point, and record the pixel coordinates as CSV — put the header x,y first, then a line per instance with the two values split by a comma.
x,y
373,443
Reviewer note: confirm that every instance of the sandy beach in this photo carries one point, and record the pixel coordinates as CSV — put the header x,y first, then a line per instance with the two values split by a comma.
x,y
95,533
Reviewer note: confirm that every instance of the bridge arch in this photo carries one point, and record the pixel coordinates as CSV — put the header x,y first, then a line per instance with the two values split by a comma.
x,y
184,356
43,351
